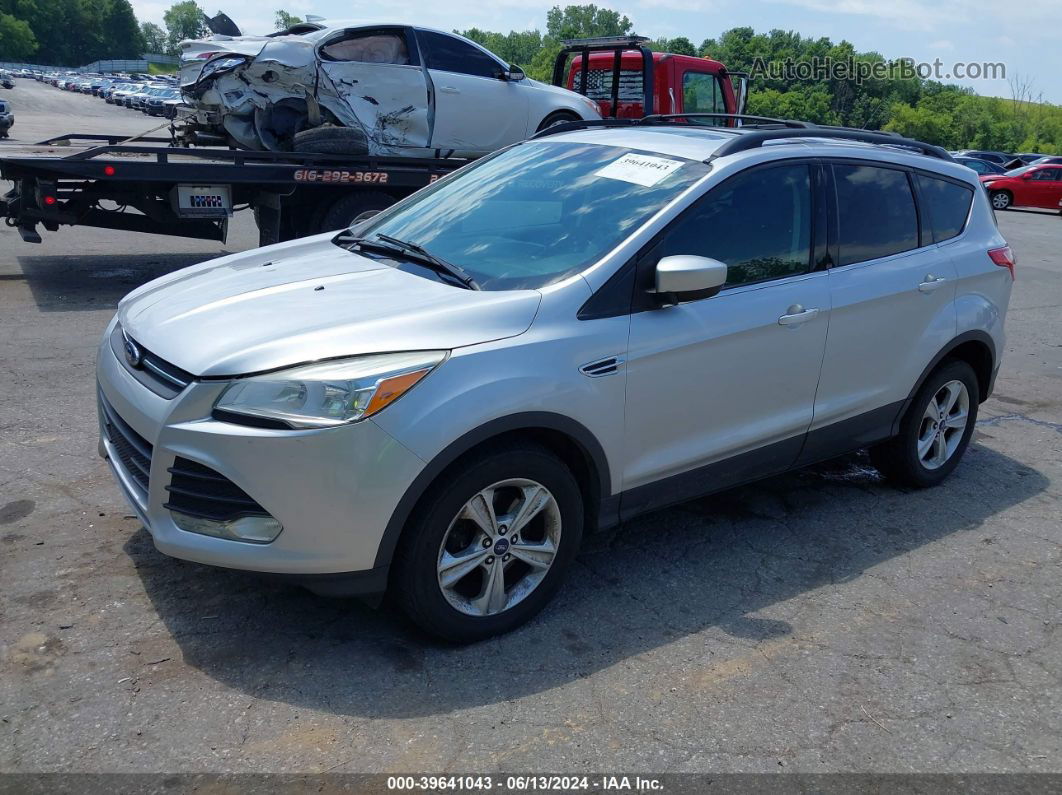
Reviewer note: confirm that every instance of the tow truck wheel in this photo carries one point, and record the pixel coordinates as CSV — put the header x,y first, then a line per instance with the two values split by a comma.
x,y
346,209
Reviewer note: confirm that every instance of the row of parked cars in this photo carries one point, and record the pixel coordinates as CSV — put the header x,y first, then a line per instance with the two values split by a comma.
x,y
153,95
1021,180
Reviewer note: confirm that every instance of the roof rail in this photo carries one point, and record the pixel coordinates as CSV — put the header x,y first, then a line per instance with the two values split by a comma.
x,y
764,129
757,138
569,126
664,118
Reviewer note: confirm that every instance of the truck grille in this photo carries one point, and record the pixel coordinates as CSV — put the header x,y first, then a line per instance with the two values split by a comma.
x,y
198,490
132,450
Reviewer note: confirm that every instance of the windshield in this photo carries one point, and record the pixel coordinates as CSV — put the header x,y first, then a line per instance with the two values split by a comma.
x,y
1017,172
538,212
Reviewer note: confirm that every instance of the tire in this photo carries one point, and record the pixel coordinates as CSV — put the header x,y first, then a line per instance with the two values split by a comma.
x,y
342,212
464,613
557,117
332,141
899,459
1001,199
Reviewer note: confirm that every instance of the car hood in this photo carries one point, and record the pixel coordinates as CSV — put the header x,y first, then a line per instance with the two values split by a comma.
x,y
307,300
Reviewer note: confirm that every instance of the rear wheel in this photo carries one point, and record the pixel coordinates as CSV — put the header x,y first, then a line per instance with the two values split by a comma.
x,y
490,546
332,141
936,429
1001,199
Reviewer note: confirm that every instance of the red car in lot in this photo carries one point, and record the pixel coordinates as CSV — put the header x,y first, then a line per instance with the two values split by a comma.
x,y
1028,186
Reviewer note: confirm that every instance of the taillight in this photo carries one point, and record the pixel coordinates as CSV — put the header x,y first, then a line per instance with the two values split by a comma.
x,y
50,200
1003,257
109,171
204,55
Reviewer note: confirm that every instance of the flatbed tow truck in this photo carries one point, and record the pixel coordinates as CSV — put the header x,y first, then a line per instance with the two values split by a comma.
x,y
152,185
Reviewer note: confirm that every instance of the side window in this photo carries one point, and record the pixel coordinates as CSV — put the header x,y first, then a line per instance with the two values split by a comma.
x,y
448,54
368,47
758,223
1047,174
947,205
876,213
701,94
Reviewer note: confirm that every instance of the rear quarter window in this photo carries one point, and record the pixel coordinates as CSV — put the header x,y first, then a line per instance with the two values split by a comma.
x,y
876,213
947,206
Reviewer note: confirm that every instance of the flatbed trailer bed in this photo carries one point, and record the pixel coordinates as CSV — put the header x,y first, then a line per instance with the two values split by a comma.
x,y
154,187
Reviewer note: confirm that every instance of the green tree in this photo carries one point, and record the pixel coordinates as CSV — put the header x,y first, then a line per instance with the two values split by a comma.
x,y
184,20
17,41
282,20
121,36
580,22
154,37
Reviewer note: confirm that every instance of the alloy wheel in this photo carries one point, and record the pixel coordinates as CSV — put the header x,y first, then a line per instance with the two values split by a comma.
x,y
499,547
943,424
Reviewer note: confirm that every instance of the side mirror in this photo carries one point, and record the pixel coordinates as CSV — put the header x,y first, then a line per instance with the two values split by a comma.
x,y
685,277
513,73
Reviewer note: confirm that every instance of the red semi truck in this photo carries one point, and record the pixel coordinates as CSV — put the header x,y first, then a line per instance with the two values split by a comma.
x,y
157,187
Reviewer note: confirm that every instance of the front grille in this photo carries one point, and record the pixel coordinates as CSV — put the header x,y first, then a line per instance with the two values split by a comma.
x,y
158,375
198,490
132,450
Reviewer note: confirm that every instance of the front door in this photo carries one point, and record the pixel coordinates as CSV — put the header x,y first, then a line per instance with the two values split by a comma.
x,y
722,390
476,110
1044,188
374,81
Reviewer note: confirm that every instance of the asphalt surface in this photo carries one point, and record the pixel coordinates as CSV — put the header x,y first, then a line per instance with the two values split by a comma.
x,y
819,621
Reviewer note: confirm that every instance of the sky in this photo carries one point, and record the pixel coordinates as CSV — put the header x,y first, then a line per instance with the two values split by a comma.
x,y
1021,35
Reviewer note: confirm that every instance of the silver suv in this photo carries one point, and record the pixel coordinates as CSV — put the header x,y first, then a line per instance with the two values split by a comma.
x,y
580,328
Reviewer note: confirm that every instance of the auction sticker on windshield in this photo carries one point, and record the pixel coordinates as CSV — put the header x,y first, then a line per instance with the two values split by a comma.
x,y
644,170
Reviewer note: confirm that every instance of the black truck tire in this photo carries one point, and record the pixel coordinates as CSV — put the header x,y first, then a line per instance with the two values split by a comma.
x,y
332,141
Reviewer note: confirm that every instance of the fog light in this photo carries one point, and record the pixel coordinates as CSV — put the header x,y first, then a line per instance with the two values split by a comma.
x,y
255,529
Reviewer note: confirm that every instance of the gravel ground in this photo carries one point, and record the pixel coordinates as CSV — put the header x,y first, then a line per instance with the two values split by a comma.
x,y
820,621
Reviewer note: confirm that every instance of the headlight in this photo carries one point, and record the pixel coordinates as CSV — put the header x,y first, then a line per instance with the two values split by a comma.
x,y
219,65
330,393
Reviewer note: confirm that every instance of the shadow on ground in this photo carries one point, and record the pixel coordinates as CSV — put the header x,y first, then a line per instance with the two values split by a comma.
x,y
95,281
713,562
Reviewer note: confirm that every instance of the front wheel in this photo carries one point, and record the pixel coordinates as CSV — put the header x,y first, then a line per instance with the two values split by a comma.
x,y
559,117
1001,200
487,549
935,431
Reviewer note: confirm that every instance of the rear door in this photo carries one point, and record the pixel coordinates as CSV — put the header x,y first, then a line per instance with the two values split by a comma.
x,y
892,296
721,390
376,76
476,110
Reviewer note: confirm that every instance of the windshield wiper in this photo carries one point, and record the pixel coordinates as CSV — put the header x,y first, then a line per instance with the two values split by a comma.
x,y
418,254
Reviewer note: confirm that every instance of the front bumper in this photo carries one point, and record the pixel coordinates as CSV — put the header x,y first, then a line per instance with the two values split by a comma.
x,y
333,490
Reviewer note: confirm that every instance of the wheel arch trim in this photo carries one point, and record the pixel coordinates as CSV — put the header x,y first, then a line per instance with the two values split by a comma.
x,y
525,421
969,336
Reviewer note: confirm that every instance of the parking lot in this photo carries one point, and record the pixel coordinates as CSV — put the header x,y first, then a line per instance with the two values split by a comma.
x,y
816,622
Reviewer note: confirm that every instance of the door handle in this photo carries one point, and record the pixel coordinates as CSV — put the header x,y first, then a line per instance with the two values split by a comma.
x,y
796,314
931,283
449,90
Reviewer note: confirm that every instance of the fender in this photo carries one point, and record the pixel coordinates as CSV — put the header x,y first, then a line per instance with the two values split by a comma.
x,y
968,336
524,421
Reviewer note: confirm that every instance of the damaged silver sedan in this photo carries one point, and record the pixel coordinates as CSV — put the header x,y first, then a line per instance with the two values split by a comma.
x,y
366,89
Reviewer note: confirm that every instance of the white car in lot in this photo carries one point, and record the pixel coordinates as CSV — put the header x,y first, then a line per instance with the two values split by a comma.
x,y
353,88
576,330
